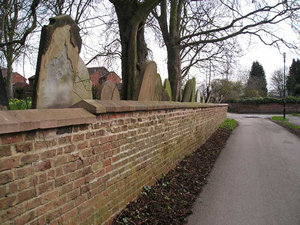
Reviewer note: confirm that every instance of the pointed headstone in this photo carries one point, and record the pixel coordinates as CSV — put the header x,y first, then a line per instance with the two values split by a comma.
x,y
147,89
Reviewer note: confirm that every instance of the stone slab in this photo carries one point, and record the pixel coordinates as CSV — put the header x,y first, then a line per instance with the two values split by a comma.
x,y
107,106
147,90
109,91
25,120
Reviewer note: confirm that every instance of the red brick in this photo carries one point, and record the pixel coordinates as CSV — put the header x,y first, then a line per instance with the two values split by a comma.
x,y
24,147
24,172
3,191
46,187
11,138
45,208
9,163
60,160
83,145
78,137
29,158
12,213
50,197
51,174
48,154
45,144
6,177
69,148
69,215
25,195
65,189
5,151
42,178
24,219
71,167
42,165
64,140
34,203
61,181
7,202
107,162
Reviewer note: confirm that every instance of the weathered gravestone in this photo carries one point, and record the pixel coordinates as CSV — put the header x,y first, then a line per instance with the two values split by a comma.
x,y
60,71
147,90
109,91
189,91
168,89
158,88
198,95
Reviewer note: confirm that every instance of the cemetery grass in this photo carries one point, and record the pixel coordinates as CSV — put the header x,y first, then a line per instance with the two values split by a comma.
x,y
170,199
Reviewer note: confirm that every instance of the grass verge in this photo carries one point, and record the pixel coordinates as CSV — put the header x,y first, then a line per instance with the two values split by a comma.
x,y
170,199
293,128
230,124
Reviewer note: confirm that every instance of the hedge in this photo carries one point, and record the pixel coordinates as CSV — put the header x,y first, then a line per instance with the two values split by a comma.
x,y
266,100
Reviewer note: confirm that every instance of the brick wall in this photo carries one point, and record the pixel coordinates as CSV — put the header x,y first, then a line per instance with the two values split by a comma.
x,y
86,171
262,108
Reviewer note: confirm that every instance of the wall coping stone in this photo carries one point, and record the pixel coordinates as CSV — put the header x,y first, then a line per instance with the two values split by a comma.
x,y
25,120
107,106
80,113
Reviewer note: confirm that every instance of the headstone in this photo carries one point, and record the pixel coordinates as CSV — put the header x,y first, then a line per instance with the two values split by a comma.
x,y
147,89
82,84
59,68
187,92
158,88
198,95
193,96
109,91
167,87
164,95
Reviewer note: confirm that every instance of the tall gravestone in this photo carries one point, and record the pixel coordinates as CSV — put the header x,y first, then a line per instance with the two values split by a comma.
x,y
198,95
61,76
109,91
147,90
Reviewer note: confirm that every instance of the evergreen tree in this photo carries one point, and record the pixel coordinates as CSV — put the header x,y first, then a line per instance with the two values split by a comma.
x,y
293,79
257,84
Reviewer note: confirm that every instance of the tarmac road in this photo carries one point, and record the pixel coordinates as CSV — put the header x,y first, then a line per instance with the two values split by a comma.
x,y
256,179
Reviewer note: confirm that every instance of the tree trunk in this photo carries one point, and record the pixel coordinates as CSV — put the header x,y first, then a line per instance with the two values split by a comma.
x,y
174,70
3,93
131,17
9,85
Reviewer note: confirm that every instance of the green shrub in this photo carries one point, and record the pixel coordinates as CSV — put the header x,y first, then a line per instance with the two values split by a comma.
x,y
230,124
266,100
19,104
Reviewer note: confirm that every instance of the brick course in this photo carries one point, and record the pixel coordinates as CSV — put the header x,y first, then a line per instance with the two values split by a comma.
x,y
85,174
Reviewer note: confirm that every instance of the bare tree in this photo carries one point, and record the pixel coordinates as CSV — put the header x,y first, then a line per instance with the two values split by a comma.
x,y
186,24
17,20
277,83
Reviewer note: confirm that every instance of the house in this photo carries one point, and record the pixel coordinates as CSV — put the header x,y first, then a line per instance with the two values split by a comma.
x,y
99,75
16,77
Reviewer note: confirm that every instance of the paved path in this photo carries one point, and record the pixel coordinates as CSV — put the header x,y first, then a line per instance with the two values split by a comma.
x,y
256,179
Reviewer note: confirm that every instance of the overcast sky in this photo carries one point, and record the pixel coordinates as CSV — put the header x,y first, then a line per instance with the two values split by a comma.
x,y
269,57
